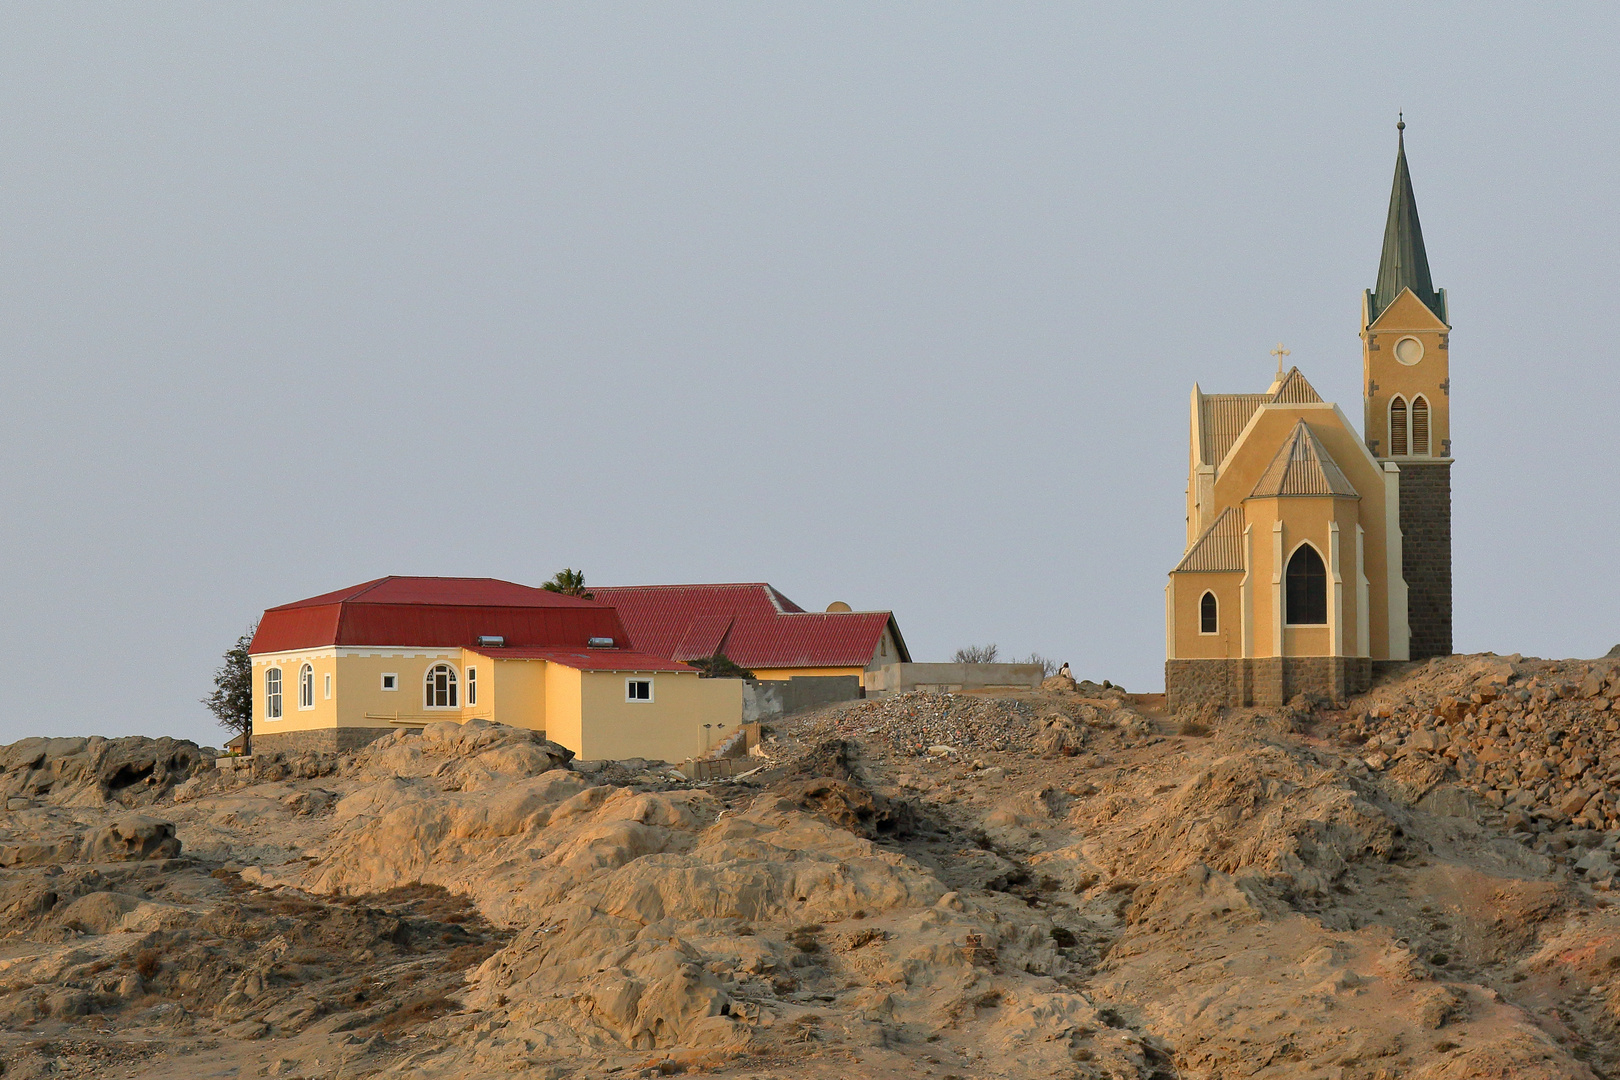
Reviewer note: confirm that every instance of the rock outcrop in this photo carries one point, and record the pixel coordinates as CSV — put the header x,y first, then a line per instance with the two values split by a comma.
x,y
1111,893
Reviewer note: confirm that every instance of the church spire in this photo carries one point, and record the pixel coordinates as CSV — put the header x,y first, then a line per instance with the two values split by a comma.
x,y
1405,264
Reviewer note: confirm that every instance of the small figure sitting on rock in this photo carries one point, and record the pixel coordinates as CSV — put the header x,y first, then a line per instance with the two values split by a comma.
x,y
1063,672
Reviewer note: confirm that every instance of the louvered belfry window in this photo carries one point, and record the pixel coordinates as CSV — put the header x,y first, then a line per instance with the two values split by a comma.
x,y
1420,426
1397,426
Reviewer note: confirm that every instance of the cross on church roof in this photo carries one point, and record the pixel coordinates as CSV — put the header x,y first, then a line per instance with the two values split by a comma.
x,y
1279,352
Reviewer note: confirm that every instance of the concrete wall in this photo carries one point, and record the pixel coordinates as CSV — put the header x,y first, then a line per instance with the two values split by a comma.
x,y
768,700
953,678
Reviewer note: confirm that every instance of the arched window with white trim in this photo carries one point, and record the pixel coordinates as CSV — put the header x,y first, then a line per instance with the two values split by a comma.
x,y
1209,620
272,693
439,689
1306,588
306,687
1398,444
1420,426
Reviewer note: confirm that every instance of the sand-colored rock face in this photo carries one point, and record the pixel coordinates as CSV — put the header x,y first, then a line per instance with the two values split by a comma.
x,y
1062,883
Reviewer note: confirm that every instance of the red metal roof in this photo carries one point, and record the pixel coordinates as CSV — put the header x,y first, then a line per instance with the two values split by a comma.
x,y
589,659
435,612
753,624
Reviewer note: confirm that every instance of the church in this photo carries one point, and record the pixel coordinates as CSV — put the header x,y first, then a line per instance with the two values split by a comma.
x,y
1314,553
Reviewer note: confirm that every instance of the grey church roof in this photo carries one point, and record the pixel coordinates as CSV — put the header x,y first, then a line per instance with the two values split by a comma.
x,y
1303,467
1220,548
1405,263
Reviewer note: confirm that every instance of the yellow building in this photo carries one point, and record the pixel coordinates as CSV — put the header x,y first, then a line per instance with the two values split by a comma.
x,y
336,671
1313,552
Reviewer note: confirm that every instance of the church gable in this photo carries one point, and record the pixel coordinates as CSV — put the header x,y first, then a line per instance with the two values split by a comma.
x,y
1303,466
1407,312
1293,389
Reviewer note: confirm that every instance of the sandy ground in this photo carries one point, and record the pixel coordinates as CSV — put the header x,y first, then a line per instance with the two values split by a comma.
x,y
1064,883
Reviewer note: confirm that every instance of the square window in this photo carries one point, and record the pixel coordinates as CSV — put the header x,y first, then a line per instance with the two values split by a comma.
x,y
390,681
638,690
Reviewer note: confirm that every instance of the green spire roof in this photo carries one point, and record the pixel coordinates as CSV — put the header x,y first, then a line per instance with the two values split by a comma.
x,y
1405,265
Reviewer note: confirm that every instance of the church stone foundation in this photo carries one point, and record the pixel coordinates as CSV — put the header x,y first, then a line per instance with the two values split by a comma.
x,y
1264,681
1426,555
320,740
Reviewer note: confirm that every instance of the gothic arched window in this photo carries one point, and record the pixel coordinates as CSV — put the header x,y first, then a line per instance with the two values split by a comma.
x,y
1397,426
1208,614
1306,588
441,687
1420,426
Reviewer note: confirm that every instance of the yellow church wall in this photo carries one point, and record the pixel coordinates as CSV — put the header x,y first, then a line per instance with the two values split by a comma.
x,y
1187,597
1406,317
1241,471
669,727
1308,519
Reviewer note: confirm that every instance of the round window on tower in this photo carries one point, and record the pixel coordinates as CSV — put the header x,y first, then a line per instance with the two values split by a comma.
x,y
1409,350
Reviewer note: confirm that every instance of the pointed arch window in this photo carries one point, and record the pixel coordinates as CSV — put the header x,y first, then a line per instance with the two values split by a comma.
x,y
440,687
1208,614
1397,426
1420,426
1306,588
306,687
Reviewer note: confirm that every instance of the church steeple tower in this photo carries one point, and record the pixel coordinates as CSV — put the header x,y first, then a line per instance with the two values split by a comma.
x,y
1405,263
1406,360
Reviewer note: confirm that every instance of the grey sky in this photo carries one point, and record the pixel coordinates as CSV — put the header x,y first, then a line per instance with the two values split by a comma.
x,y
898,305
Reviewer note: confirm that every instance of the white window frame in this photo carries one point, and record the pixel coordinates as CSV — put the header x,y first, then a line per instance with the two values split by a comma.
x,y
383,682
452,691
470,673
1201,631
328,686
272,693
306,687
629,695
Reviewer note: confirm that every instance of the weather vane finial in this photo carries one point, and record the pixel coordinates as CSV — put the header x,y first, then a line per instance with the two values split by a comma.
x,y
1279,352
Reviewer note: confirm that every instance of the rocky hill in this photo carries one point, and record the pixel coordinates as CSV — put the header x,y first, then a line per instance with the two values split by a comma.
x,y
1069,883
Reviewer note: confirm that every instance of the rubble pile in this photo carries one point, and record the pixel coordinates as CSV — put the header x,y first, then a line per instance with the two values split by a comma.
x,y
1537,739
921,722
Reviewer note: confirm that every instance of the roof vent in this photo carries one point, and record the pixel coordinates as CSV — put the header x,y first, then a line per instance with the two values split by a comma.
x,y
600,643
491,641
